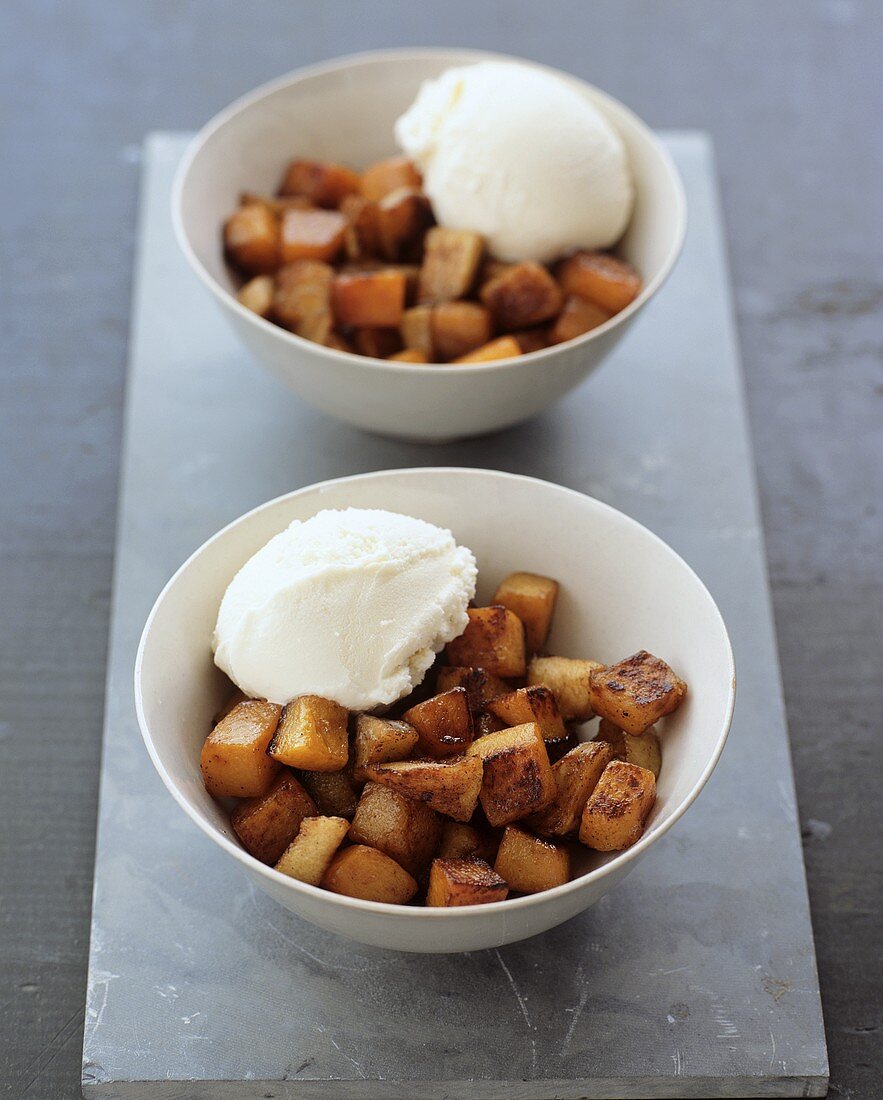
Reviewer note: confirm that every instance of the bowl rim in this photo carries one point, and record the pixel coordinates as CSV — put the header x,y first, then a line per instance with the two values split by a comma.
x,y
456,56
620,860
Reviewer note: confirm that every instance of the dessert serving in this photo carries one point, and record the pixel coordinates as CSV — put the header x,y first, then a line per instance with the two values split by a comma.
x,y
389,741
486,239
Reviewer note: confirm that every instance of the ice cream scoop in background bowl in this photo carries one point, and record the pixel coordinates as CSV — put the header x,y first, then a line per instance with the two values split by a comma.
x,y
346,111
622,589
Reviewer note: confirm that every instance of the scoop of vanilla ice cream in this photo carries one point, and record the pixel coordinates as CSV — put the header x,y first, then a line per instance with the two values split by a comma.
x,y
520,156
351,605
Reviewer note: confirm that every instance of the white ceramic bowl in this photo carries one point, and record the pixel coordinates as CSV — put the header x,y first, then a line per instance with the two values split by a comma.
x,y
622,589
344,110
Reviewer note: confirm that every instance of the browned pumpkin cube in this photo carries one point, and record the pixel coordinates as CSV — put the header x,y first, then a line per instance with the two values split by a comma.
x,y
334,793
379,740
459,841
234,757
532,339
504,347
309,855
323,183
577,317
362,238
532,598
576,776
518,777
366,873
522,296
481,686
443,723
459,327
614,816
378,343
636,692
389,175
312,234
468,881
276,206
568,679
369,299
451,260
409,355
267,825
449,786
257,295
407,831
416,330
403,217
531,704
530,864
600,278
312,734
252,240
493,640
302,299
642,749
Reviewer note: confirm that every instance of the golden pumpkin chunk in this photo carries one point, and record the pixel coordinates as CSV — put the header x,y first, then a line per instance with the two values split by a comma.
x,y
312,234
568,679
309,855
234,757
576,776
636,692
416,330
369,299
481,686
405,830
532,598
467,881
532,339
322,183
311,734
617,809
522,296
251,240
363,872
530,864
459,841
302,299
334,793
362,239
504,347
403,217
257,295
378,741
518,777
460,327
443,723
449,786
599,278
577,316
389,175
267,825
276,206
493,640
451,259
642,749
531,704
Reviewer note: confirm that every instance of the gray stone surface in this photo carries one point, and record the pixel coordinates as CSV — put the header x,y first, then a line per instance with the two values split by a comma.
x,y
696,977
790,92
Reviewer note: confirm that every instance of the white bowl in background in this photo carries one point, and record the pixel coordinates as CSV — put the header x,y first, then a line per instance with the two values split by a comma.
x,y
344,110
622,589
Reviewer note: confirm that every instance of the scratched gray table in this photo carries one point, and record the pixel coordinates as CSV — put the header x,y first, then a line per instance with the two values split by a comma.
x,y
695,978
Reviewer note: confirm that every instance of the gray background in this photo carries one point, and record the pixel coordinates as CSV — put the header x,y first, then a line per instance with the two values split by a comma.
x,y
788,92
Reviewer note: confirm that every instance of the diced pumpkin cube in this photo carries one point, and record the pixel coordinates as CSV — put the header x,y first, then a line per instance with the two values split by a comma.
x,y
481,686
642,749
532,339
449,786
568,679
451,259
409,355
257,295
459,327
312,734
389,175
323,183
443,723
577,317
312,234
334,793
522,296
403,217
234,757
379,740
614,816
460,841
302,299
407,831
416,330
532,598
378,343
468,881
309,855
636,692
530,864
369,299
266,825
493,640
531,704
252,240
366,873
600,278
362,238
576,776
504,347
518,777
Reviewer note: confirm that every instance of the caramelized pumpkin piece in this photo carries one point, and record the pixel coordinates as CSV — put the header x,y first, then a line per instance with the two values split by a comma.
x,y
600,278
334,793
531,704
518,777
403,217
234,757
577,317
369,299
389,175
362,240
407,831
378,343
568,679
481,686
267,825
323,183
257,295
302,299
493,640
363,872
443,723
251,240
416,330
643,749
379,740
532,598
468,881
530,864
614,816
312,234
449,786
309,855
576,775
636,692
460,841
459,328
451,259
504,347
522,296
311,734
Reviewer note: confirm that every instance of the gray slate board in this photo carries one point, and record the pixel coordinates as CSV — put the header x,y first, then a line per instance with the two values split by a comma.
x,y
695,978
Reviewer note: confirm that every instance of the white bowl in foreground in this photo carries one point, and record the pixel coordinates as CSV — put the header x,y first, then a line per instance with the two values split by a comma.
x,y
622,589
344,110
